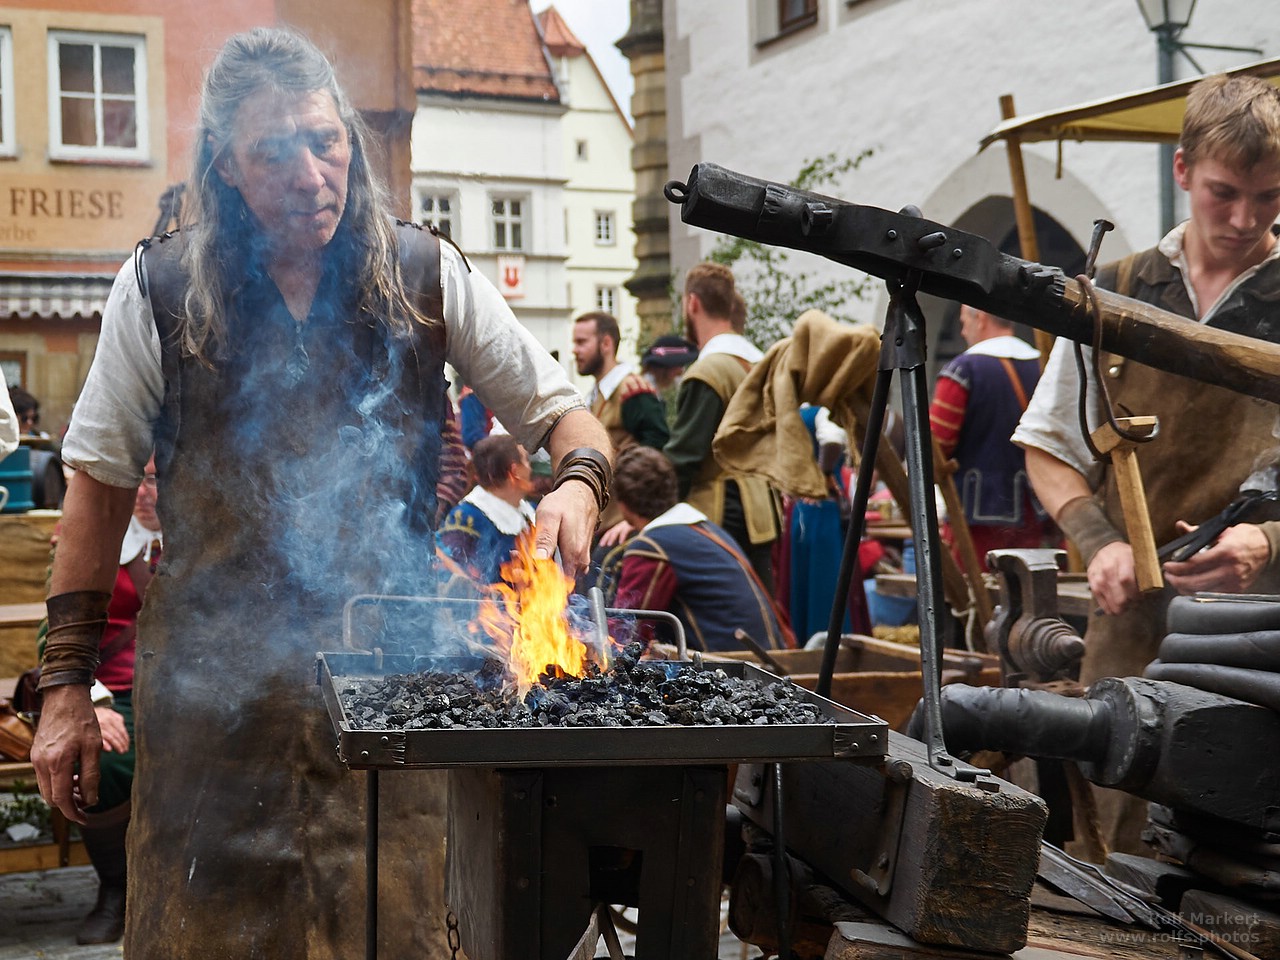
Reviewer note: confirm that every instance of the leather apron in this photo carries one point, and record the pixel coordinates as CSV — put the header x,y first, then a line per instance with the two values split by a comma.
x,y
1209,441
1207,446
299,471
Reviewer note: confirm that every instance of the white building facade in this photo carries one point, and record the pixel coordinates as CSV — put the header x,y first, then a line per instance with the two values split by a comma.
x,y
521,156
489,174
599,188
918,82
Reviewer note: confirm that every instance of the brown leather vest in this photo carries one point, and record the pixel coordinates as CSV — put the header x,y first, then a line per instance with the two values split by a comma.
x,y
298,470
609,412
723,373
1209,437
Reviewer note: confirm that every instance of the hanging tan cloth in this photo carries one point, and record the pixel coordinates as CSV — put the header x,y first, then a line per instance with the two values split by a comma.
x,y
824,363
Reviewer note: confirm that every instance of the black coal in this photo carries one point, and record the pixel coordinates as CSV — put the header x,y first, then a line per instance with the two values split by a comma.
x,y
631,693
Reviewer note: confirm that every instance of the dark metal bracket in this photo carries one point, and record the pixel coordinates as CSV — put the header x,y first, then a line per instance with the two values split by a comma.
x,y
903,350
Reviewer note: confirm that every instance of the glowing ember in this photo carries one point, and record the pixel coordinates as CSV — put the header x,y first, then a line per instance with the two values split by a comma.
x,y
525,619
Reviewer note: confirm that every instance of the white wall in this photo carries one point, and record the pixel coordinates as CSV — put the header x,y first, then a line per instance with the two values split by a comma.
x,y
919,82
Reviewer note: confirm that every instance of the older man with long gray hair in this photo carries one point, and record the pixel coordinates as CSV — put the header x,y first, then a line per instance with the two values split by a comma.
x,y
284,352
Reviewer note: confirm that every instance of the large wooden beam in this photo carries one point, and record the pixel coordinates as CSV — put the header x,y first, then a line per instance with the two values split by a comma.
x,y
1175,344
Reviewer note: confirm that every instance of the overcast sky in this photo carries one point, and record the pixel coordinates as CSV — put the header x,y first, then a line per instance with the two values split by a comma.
x,y
599,24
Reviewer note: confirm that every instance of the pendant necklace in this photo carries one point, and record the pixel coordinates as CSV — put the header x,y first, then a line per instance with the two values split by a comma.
x,y
298,363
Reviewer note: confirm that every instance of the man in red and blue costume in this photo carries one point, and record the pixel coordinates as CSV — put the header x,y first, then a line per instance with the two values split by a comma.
x,y
977,401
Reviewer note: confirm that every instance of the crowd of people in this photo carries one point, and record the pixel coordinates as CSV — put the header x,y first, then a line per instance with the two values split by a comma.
x,y
278,366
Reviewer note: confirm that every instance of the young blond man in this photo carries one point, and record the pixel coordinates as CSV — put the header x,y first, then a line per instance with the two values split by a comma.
x,y
1220,267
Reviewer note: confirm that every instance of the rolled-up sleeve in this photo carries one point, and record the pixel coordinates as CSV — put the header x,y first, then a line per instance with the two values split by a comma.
x,y
1051,421
112,426
8,421
509,370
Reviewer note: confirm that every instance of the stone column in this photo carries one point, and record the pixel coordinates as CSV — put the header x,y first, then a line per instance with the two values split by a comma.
x,y
651,283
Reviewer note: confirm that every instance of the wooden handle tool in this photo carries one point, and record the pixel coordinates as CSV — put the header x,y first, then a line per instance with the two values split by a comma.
x,y
1133,500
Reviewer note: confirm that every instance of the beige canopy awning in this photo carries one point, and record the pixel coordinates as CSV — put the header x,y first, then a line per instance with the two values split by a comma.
x,y
1153,115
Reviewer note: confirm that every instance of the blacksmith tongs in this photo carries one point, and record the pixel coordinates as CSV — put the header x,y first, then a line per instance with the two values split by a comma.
x,y
1252,506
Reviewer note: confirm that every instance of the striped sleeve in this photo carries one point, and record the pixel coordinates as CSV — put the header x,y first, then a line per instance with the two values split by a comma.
x,y
946,412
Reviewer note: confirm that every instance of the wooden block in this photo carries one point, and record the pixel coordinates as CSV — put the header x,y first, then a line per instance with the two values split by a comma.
x,y
1241,924
1094,936
24,555
961,868
25,857
872,941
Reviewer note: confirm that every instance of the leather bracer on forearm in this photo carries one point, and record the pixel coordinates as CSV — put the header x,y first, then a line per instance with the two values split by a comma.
x,y
1085,523
76,623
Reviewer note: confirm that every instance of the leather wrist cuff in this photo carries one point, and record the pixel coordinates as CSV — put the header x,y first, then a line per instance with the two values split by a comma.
x,y
76,623
590,467
1085,522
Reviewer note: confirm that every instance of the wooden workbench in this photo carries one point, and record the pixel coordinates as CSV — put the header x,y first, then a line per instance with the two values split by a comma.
x,y
1074,599
827,926
1051,935
24,571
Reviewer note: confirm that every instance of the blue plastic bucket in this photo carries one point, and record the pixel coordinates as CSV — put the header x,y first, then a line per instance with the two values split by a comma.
x,y
15,476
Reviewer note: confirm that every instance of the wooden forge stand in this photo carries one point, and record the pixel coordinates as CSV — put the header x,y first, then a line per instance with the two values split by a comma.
x,y
532,852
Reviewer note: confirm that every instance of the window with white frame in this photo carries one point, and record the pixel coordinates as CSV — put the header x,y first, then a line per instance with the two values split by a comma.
x,y
604,228
606,299
508,223
7,146
796,13
774,19
439,208
97,94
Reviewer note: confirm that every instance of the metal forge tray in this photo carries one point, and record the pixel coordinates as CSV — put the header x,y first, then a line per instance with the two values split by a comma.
x,y
851,735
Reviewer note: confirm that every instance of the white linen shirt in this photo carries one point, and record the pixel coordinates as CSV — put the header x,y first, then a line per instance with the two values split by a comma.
x,y
1051,421
734,344
682,514
610,382
111,432
8,422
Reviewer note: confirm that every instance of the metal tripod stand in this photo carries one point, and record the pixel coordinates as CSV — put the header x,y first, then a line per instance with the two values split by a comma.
x,y
902,349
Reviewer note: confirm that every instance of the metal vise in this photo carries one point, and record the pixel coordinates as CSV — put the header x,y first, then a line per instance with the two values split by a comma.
x,y
1033,641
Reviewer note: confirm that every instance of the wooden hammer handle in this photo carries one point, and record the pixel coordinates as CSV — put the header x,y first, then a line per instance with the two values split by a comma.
x,y
1137,521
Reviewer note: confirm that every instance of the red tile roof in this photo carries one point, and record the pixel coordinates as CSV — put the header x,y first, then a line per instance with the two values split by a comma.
x,y
485,48
557,35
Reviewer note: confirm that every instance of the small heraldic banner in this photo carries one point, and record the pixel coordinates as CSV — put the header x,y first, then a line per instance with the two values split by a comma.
x,y
511,277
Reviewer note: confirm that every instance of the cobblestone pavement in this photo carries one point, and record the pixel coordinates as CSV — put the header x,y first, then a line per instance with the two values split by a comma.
x,y
39,913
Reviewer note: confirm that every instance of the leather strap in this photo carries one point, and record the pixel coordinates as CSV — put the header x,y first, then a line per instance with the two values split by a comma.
x,y
701,528
1018,390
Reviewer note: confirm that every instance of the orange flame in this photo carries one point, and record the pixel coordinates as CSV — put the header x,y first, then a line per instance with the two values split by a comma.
x,y
525,618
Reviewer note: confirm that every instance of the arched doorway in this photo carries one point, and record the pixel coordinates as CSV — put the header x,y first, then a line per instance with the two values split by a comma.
x,y
993,218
